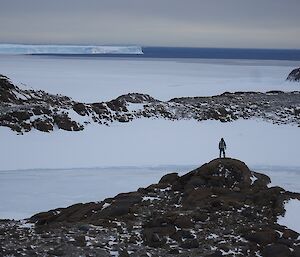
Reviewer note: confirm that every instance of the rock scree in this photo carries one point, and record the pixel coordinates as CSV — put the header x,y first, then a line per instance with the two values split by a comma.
x,y
219,209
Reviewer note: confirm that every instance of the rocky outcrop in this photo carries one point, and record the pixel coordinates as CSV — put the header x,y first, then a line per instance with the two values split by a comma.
x,y
294,75
24,109
221,208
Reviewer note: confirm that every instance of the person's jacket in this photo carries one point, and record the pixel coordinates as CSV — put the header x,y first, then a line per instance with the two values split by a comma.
x,y
222,144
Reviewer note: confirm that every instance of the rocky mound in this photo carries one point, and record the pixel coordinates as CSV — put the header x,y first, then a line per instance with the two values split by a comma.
x,y
294,75
221,208
23,110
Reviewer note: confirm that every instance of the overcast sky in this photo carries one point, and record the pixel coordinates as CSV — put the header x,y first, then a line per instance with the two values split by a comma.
x,y
200,23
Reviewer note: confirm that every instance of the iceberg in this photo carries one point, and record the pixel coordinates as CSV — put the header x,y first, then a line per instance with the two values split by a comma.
x,y
68,49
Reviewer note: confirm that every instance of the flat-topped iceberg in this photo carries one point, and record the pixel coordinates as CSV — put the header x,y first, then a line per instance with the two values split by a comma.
x,y
68,49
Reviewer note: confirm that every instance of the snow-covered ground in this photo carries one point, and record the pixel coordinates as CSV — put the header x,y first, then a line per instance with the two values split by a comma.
x,y
291,217
151,142
98,79
143,143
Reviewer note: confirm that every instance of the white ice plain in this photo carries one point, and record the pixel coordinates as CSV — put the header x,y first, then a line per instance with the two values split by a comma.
x,y
291,217
26,192
151,142
100,79
149,149
141,143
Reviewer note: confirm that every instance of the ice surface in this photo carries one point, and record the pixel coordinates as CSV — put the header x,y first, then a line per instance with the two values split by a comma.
x,y
68,49
24,193
146,144
291,217
143,143
151,142
100,79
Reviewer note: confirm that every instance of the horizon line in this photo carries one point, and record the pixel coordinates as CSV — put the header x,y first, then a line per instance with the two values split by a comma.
x,y
148,46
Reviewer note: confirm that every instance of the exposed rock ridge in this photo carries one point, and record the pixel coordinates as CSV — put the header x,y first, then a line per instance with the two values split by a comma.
x,y
294,75
221,208
25,109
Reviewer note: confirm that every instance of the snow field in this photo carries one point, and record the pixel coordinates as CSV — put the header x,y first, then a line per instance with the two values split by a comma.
x,y
151,142
141,143
101,79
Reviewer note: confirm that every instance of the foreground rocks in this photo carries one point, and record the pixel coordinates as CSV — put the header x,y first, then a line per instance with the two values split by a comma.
x,y
221,208
294,75
25,109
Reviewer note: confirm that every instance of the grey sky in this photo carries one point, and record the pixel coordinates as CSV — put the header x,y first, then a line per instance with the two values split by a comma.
x,y
203,23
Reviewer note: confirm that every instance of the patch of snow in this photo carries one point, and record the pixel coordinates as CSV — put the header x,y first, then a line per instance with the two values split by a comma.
x,y
114,253
20,96
253,179
134,107
212,236
279,232
150,198
105,205
291,217
25,224
76,117
166,189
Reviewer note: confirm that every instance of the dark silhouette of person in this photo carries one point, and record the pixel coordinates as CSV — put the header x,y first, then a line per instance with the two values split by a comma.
x,y
222,147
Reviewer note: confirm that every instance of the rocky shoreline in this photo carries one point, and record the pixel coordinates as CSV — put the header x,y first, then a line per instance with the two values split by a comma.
x,y
25,109
219,209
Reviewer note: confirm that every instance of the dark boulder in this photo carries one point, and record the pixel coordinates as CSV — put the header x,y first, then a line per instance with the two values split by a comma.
x,y
80,108
64,122
136,98
21,115
43,125
224,172
290,234
215,254
276,250
117,105
263,237
190,244
6,90
169,178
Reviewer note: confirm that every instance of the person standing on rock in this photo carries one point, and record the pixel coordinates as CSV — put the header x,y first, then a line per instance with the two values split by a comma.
x,y
222,147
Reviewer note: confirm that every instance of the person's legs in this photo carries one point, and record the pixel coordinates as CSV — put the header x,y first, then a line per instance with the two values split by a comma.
x,y
222,151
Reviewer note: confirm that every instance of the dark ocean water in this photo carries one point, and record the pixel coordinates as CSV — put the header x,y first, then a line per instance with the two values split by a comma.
x,y
206,53
222,53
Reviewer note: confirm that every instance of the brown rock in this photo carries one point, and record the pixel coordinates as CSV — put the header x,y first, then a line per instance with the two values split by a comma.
x,y
263,237
276,250
169,178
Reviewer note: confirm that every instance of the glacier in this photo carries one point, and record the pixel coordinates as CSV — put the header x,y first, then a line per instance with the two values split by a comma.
x,y
68,49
